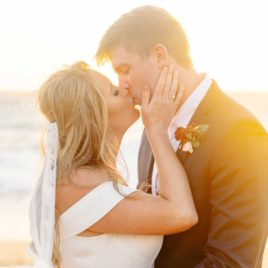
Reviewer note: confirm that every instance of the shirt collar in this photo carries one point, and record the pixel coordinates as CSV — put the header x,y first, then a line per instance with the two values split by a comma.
x,y
187,110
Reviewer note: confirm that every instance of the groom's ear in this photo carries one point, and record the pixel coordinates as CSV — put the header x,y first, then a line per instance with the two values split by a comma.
x,y
160,53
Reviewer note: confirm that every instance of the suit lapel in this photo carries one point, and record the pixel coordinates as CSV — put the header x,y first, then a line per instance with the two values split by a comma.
x,y
200,116
145,158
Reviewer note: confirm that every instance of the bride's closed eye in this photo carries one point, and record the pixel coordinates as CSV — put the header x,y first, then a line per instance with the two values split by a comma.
x,y
114,90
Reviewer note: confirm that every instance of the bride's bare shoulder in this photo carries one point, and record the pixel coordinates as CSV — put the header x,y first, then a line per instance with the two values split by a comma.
x,y
71,189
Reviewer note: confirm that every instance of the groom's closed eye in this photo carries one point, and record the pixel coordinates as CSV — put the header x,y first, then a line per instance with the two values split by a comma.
x,y
122,69
125,71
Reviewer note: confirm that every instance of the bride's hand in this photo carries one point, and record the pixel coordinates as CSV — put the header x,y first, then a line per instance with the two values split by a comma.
x,y
158,111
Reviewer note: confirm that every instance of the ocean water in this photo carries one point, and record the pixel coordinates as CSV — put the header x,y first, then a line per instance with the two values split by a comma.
x,y
20,162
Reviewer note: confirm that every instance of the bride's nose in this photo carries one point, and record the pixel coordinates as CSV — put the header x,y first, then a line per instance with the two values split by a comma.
x,y
124,87
124,91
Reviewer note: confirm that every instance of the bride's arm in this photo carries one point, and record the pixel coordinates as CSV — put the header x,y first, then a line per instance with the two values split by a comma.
x,y
173,210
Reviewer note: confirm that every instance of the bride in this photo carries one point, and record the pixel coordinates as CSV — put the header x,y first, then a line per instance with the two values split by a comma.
x,y
82,213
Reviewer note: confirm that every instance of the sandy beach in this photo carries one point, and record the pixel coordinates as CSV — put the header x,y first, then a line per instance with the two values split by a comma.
x,y
13,253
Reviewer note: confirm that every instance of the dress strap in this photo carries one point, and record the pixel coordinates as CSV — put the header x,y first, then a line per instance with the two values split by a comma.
x,y
91,208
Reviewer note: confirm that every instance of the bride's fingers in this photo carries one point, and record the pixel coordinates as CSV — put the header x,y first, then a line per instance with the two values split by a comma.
x,y
168,82
145,97
179,96
172,93
160,84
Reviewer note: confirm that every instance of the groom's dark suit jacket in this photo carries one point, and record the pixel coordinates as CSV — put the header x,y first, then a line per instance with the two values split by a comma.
x,y
228,174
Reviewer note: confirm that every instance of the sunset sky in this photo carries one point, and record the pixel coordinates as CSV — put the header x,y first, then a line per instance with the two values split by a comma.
x,y
228,39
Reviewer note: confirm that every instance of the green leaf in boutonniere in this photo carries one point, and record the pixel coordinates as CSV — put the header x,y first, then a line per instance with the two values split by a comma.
x,y
191,136
195,143
202,129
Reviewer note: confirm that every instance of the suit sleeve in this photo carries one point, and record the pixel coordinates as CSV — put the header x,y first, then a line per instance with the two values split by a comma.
x,y
239,199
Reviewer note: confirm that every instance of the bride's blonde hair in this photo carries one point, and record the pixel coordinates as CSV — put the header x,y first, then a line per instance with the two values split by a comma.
x,y
70,98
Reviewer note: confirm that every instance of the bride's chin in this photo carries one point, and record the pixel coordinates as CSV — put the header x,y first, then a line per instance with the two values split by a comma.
x,y
118,133
135,118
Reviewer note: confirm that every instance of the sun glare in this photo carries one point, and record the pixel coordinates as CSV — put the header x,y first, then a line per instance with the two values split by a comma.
x,y
227,38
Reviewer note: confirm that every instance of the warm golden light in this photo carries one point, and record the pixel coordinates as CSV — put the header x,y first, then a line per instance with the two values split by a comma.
x,y
227,38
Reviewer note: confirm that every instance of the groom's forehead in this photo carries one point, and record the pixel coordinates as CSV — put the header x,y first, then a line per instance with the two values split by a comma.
x,y
121,56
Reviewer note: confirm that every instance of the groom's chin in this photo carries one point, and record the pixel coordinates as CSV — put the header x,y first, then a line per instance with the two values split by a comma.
x,y
136,101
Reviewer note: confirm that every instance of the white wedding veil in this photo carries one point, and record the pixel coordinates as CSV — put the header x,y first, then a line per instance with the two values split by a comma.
x,y
42,207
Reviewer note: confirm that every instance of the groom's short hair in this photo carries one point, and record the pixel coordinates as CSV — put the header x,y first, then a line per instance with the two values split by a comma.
x,y
142,28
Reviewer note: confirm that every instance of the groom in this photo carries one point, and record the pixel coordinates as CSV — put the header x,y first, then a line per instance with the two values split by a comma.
x,y
227,169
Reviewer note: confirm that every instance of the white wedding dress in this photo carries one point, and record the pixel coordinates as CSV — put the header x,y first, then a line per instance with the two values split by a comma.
x,y
104,250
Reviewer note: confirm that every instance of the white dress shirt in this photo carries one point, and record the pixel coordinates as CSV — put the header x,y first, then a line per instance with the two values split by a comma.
x,y
182,119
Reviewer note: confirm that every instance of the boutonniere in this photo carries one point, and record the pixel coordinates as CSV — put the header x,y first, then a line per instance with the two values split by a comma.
x,y
190,137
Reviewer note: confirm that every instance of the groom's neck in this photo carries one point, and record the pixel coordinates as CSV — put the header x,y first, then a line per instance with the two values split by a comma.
x,y
189,79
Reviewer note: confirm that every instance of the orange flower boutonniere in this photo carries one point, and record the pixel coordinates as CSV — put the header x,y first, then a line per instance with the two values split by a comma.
x,y
190,137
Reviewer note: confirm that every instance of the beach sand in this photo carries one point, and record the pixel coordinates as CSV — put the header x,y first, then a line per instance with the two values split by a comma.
x,y
14,254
